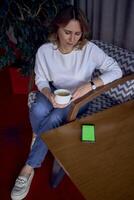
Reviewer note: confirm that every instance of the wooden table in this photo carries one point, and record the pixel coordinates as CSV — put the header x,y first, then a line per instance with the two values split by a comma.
x,y
103,170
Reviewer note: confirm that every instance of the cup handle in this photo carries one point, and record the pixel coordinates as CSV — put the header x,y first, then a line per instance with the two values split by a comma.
x,y
70,100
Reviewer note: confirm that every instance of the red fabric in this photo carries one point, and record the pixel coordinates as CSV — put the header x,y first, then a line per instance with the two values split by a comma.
x,y
19,82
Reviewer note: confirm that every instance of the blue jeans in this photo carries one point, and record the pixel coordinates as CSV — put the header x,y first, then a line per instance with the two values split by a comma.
x,y
43,117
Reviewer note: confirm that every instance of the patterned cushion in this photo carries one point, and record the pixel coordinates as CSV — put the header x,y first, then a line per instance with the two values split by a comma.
x,y
125,59
99,104
122,93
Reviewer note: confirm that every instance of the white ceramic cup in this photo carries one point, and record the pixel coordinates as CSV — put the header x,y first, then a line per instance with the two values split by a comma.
x,y
62,96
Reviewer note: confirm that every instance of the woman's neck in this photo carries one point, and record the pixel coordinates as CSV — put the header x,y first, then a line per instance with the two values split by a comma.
x,y
64,49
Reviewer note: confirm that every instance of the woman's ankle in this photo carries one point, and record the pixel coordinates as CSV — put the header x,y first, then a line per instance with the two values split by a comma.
x,y
26,170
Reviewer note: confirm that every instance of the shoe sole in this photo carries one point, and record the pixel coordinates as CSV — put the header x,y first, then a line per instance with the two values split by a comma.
x,y
20,197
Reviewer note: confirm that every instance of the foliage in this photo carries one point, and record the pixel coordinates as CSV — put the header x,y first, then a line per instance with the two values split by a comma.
x,y
24,27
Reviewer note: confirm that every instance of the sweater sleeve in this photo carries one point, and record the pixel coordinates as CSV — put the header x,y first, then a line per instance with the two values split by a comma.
x,y
41,78
108,67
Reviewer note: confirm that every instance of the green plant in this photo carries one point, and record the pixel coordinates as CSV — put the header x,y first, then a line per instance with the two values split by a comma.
x,y
24,27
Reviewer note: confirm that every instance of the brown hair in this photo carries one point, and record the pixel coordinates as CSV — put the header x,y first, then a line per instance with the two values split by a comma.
x,y
63,18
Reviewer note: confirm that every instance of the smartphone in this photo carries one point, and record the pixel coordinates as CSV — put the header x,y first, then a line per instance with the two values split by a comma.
x,y
88,133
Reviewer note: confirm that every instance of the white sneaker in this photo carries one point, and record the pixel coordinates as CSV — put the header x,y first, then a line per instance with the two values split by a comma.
x,y
21,187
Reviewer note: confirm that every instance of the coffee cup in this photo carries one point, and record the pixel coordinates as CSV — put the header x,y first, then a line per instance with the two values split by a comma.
x,y
62,96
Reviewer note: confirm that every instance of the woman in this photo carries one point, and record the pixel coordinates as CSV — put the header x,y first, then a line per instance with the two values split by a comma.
x,y
68,61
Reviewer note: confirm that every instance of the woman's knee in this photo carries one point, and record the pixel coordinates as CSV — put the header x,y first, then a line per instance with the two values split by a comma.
x,y
58,117
55,120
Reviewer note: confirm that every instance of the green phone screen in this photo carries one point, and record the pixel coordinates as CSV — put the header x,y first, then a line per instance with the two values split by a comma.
x,y
88,133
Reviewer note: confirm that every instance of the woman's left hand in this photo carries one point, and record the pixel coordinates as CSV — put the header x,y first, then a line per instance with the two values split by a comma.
x,y
81,91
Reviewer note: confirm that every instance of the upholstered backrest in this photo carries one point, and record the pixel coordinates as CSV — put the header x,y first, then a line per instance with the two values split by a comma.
x,y
125,59
121,93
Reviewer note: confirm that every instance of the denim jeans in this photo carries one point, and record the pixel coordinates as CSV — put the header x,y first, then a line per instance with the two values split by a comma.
x,y
43,117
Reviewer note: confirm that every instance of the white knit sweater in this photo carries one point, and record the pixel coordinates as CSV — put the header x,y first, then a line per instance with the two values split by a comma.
x,y
73,69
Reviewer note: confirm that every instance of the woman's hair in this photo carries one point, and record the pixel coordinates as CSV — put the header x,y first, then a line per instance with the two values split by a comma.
x,y
62,19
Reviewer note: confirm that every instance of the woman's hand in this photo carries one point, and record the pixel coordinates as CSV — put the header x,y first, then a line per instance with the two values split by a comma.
x,y
47,92
56,105
81,91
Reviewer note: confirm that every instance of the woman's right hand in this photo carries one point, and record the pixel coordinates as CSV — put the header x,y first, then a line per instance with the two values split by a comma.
x,y
47,92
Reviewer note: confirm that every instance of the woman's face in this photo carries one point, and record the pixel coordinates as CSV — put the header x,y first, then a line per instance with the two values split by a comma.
x,y
69,35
